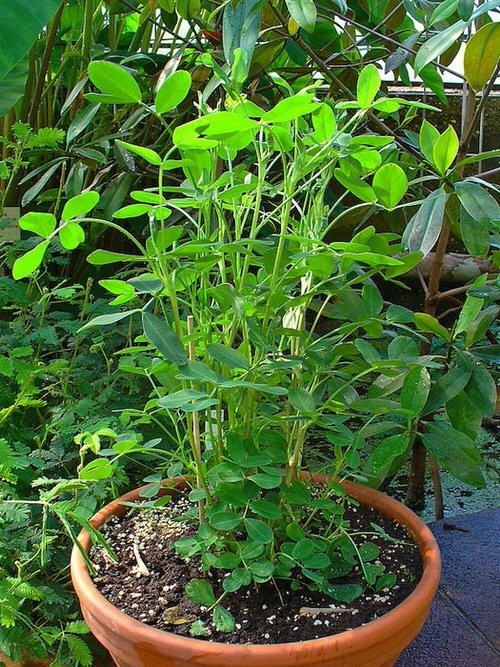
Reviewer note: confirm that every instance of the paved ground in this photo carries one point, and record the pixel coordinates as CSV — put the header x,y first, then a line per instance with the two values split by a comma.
x,y
463,629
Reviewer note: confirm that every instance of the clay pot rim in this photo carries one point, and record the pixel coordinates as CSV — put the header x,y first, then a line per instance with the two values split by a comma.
x,y
370,633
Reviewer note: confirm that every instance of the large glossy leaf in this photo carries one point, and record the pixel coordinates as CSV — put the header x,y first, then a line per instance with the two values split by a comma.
x,y
463,415
30,261
367,86
390,185
173,91
438,44
303,13
446,388
20,23
481,55
118,85
445,150
415,390
455,451
477,202
12,86
423,229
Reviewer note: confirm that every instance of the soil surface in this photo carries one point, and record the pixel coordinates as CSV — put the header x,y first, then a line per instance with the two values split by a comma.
x,y
268,613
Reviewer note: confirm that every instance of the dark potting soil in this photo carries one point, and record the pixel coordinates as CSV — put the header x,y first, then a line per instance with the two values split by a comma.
x,y
150,578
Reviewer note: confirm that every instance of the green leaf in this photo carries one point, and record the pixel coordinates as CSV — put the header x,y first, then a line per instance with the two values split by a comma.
x,y
173,91
437,45
71,235
445,150
427,138
443,11
430,324
188,9
415,390
12,86
225,521
301,400
465,9
228,492
96,470
290,109
147,154
456,452
266,509
103,257
475,235
344,592
132,211
478,203
199,629
21,21
79,650
117,287
80,205
166,341
42,224
446,388
390,185
223,620
368,86
480,326
355,185
104,320
481,390
463,415
115,82
266,481
423,229
324,123
29,262
227,356
262,570
471,308
431,77
258,531
200,592
388,450
481,56
303,13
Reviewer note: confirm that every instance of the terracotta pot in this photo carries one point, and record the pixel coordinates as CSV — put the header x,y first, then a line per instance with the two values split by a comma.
x,y
376,644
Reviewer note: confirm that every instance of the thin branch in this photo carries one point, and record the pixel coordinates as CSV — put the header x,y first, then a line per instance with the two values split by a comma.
x,y
477,113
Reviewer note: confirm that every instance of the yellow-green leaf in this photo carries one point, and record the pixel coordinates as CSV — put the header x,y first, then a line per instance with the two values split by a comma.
x,y
481,55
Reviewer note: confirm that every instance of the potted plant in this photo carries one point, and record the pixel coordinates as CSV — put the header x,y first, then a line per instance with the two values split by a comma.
x,y
237,278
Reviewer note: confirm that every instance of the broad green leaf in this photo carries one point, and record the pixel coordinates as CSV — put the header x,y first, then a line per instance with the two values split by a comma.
x,y
481,56
223,619
324,123
368,86
21,21
42,224
147,154
465,9
80,205
96,470
430,324
132,211
388,450
266,481
455,451
291,108
231,493
390,185
475,235
471,308
463,415
446,388
423,229
197,371
303,13
188,9
301,400
437,45
481,390
181,399
355,185
225,521
173,91
266,509
480,326
427,138
103,257
415,390
200,592
71,235
445,150
117,287
162,336
113,80
29,262
13,85
227,355
443,11
240,32
478,203
258,531
431,78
